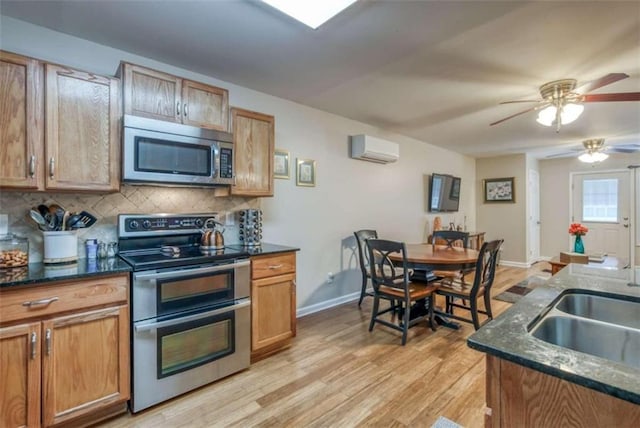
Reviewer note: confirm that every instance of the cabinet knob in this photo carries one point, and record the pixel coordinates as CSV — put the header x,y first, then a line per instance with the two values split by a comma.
x,y
52,167
178,108
34,341
47,340
185,112
39,302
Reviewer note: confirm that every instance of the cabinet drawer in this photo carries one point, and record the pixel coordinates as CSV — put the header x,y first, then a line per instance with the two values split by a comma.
x,y
262,267
62,297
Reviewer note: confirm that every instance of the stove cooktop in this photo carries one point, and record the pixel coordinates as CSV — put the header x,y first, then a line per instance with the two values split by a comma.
x,y
176,256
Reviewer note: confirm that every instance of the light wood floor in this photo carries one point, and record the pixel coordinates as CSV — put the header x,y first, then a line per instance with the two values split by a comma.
x,y
337,374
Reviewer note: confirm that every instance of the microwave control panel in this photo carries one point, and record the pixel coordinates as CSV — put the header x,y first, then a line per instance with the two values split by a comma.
x,y
226,163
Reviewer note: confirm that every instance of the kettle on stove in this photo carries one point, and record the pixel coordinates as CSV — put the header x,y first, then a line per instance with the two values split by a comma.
x,y
212,238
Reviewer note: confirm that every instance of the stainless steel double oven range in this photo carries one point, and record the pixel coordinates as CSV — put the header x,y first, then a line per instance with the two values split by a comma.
x,y
190,308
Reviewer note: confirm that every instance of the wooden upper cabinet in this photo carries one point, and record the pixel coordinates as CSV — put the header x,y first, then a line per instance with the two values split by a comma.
x,y
157,95
21,122
82,130
150,93
253,140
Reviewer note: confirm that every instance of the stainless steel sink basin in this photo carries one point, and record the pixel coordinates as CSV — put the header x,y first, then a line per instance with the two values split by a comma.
x,y
599,339
600,308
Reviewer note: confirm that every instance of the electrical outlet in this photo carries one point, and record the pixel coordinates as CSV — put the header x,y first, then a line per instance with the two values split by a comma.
x,y
230,219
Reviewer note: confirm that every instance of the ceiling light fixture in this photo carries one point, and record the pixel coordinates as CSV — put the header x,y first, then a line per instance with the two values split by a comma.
x,y
312,13
594,151
563,103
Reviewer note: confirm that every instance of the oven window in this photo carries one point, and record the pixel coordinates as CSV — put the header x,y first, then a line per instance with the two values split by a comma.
x,y
192,344
188,292
169,157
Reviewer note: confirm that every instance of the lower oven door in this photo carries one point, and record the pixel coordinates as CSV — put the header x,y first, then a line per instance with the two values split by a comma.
x,y
176,354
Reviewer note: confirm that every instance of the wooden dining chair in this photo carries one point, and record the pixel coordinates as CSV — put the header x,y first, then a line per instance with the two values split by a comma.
x,y
397,289
363,255
450,238
453,289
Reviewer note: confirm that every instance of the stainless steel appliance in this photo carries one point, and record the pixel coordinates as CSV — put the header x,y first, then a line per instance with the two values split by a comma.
x,y
169,153
189,306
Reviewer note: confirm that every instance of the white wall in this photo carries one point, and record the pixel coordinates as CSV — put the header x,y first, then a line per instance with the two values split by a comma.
x,y
555,202
349,194
504,220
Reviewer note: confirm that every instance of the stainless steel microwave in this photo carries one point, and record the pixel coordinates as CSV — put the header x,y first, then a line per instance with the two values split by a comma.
x,y
166,153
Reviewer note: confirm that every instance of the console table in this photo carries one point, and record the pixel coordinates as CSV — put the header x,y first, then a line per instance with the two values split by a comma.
x,y
476,239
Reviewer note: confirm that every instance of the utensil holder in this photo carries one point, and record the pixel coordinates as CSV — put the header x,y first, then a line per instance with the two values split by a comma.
x,y
251,227
60,247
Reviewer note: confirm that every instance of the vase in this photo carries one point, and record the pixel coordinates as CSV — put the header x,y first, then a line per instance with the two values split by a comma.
x,y
578,246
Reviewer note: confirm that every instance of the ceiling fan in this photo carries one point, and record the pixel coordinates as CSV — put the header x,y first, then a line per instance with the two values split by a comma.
x,y
594,150
561,101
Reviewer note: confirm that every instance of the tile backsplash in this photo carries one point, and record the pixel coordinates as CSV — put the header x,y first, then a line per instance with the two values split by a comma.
x,y
106,207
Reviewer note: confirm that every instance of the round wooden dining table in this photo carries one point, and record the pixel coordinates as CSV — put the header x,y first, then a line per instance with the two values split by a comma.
x,y
429,256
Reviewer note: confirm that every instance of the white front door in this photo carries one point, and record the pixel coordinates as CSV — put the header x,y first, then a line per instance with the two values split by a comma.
x,y
534,216
601,202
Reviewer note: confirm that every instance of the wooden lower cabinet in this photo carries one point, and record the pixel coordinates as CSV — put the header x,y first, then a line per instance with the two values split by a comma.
x,y
273,303
518,396
69,365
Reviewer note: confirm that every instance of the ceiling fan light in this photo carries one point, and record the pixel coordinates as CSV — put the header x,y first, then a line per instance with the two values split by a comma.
x,y
570,112
593,157
547,116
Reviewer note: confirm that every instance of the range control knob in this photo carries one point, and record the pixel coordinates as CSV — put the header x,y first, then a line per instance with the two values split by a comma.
x,y
146,224
199,222
133,224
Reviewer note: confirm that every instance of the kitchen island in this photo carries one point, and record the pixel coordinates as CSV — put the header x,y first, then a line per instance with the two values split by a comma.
x,y
535,383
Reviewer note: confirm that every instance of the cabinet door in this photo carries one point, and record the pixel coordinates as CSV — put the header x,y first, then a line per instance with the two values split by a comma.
x,y
20,373
85,363
205,106
151,93
21,122
253,139
273,310
82,131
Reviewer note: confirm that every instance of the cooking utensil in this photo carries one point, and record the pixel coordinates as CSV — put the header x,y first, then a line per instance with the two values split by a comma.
x,y
87,218
73,222
43,209
38,219
65,220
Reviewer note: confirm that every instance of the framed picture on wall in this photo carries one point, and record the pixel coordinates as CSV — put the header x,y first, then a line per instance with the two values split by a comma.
x,y
499,190
306,172
281,164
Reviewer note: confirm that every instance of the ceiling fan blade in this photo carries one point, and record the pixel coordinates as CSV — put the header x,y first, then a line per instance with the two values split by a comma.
x,y
622,150
513,115
599,83
562,155
521,101
621,96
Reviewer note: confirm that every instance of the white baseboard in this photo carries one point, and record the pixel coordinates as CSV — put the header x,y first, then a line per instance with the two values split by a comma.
x,y
307,310
515,264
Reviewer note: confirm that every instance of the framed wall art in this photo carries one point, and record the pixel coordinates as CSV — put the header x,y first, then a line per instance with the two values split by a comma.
x,y
499,190
306,172
281,164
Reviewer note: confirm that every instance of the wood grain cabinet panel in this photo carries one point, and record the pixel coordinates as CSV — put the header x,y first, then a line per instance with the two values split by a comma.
x,y
157,95
20,373
82,130
273,304
21,122
253,139
70,363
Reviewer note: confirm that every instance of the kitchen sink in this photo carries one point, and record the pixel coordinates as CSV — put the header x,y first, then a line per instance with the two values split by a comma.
x,y
600,308
604,326
600,339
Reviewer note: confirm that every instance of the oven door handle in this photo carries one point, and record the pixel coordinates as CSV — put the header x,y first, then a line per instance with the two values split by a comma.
x,y
155,325
196,271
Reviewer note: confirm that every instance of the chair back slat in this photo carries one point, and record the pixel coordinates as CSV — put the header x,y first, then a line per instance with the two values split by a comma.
x,y
361,239
486,266
383,271
450,237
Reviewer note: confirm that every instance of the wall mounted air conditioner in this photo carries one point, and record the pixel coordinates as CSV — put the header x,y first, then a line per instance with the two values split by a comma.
x,y
365,147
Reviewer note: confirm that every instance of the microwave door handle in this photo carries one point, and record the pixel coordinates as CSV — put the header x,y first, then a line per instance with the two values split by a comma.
x,y
197,271
155,325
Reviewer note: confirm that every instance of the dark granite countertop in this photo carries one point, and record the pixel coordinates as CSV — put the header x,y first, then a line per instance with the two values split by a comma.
x,y
37,273
265,248
507,335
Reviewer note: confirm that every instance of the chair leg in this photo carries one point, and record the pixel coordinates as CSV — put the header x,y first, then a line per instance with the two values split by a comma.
x,y
474,313
407,319
487,305
363,291
374,312
432,320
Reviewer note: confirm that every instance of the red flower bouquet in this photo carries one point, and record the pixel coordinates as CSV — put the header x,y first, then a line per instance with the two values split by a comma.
x,y
576,229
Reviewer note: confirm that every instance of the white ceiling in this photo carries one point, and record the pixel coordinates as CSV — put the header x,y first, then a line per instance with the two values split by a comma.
x,y
432,70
